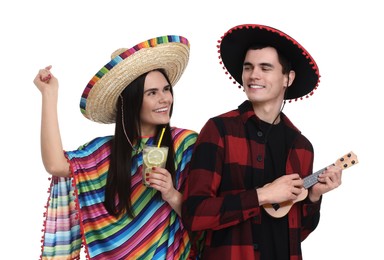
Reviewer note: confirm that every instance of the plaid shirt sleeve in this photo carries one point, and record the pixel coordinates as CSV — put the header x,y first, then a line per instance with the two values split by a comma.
x,y
204,205
301,160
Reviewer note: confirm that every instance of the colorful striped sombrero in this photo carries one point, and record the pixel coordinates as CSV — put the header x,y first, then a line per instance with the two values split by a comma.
x,y
99,98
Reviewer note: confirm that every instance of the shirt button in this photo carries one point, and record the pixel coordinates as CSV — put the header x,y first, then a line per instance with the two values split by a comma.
x,y
259,158
259,133
255,246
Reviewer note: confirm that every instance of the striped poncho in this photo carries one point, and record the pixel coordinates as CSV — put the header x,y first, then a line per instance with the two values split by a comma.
x,y
76,216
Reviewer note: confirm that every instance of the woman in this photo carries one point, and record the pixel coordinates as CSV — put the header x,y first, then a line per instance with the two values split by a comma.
x,y
97,197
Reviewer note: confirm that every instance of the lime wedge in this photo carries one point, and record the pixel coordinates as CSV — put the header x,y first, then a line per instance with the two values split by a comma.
x,y
156,157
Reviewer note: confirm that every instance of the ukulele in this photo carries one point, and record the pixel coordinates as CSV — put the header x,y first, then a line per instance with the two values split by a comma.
x,y
279,210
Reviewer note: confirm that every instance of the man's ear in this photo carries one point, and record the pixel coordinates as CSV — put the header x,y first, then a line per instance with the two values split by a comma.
x,y
290,78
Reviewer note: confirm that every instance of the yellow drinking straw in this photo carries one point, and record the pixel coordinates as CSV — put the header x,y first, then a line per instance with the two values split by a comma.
x,y
161,137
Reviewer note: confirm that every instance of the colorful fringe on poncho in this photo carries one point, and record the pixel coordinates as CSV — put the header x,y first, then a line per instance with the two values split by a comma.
x,y
76,216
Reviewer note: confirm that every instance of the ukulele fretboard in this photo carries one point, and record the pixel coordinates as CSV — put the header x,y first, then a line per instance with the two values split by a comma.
x,y
311,180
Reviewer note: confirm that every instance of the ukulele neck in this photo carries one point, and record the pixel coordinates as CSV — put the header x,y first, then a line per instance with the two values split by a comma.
x,y
311,180
344,162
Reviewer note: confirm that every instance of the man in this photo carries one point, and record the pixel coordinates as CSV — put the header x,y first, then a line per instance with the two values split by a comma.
x,y
253,158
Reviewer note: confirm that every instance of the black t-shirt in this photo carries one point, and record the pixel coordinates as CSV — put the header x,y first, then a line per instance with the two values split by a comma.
x,y
271,238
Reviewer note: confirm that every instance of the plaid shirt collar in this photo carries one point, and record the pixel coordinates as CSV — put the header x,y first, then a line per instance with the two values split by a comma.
x,y
247,113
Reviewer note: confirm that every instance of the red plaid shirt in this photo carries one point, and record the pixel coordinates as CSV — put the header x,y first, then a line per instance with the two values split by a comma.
x,y
219,199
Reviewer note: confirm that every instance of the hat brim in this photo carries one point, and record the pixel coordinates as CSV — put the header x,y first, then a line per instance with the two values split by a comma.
x,y
99,98
237,41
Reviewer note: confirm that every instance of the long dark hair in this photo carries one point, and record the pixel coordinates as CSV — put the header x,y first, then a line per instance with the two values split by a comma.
x,y
118,188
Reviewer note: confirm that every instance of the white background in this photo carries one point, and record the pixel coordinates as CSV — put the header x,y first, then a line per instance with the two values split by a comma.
x,y
77,38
